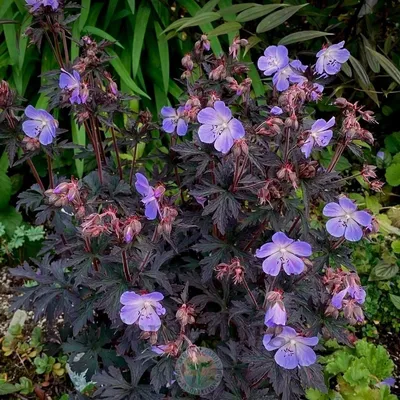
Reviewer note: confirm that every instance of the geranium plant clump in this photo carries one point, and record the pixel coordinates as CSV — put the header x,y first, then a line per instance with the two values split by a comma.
x,y
211,246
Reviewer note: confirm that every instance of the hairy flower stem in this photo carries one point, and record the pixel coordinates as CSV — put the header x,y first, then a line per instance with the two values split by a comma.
x,y
96,151
287,144
95,261
66,52
336,157
178,179
50,168
213,181
239,169
133,164
255,235
295,222
338,243
116,153
125,266
253,299
35,174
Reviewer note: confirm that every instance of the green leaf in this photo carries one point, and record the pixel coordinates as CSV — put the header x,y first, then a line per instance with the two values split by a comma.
x,y
78,137
396,246
257,12
363,79
392,142
338,362
200,20
132,4
141,20
383,272
277,18
123,73
25,386
392,175
10,34
5,192
4,163
252,41
11,219
346,69
357,374
176,24
35,233
225,28
386,64
84,14
7,388
163,52
112,5
302,37
104,35
231,10
208,6
395,300
372,62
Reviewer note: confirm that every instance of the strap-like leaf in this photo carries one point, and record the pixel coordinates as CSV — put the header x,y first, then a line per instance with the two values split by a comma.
x,y
386,64
302,37
257,12
225,28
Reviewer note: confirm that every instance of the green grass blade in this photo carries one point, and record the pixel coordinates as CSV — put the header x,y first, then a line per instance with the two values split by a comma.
x,y
104,35
163,52
78,137
84,14
141,20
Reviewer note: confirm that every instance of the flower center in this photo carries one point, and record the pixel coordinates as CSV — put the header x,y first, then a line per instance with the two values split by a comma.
x,y
348,216
292,342
283,250
146,304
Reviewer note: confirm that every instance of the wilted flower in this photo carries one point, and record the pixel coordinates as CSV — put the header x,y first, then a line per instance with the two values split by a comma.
x,y
187,62
346,220
150,196
201,200
320,134
276,312
219,127
185,314
353,289
168,216
40,124
72,84
132,229
31,144
174,120
294,350
5,95
144,309
284,253
169,349
202,44
353,312
330,59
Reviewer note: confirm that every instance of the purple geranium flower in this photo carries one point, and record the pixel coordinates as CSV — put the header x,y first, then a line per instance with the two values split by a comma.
x,y
283,253
294,350
274,59
40,123
292,73
150,196
35,4
346,220
275,315
174,120
330,59
353,290
144,309
219,127
276,110
320,134
72,84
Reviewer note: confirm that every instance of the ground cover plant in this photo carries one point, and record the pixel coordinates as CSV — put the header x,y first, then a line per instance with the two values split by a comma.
x,y
219,266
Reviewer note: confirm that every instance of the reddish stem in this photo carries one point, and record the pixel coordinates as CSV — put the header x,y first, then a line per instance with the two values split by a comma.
x,y
50,168
125,265
35,174
116,153
133,165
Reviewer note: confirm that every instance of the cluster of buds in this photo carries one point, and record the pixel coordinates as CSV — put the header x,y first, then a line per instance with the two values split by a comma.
x,y
186,315
241,89
168,217
351,128
66,193
308,169
30,144
234,48
112,88
202,45
191,109
219,72
240,148
292,100
188,64
287,173
170,349
212,98
234,269
271,127
89,58
347,295
369,176
6,95
109,223
151,336
270,191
